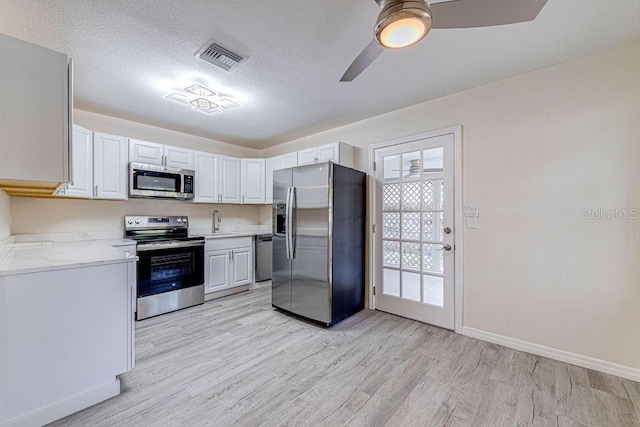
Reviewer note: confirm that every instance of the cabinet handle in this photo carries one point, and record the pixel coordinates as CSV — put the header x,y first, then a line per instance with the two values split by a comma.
x,y
243,199
95,191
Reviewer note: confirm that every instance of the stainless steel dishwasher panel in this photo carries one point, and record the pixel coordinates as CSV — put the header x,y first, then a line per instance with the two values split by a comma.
x,y
264,256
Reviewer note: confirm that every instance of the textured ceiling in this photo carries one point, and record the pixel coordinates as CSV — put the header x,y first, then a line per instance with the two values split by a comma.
x,y
128,53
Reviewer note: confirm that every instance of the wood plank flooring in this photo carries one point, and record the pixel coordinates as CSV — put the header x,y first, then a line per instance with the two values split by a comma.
x,y
237,361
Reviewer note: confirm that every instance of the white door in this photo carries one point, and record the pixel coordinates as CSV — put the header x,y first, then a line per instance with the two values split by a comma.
x,y
307,157
206,190
216,271
229,179
253,186
242,266
177,157
147,152
82,164
415,235
110,166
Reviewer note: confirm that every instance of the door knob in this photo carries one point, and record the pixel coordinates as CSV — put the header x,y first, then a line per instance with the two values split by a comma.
x,y
446,247
447,230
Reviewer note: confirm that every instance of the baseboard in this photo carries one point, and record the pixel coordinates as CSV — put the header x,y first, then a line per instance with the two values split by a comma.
x,y
66,407
556,354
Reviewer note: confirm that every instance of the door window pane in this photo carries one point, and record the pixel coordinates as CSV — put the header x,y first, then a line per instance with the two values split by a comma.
x,y
432,226
411,286
433,290
391,282
411,196
433,160
391,197
391,225
432,193
411,226
432,258
411,256
411,166
391,253
391,168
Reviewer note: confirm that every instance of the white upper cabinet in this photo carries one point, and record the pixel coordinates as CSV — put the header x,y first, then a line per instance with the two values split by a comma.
x,y
100,167
337,152
307,157
176,157
229,179
253,183
206,178
82,185
36,106
110,154
150,153
153,153
273,164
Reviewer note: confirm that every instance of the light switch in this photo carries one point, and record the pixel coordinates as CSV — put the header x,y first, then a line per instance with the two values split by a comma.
x,y
472,211
472,223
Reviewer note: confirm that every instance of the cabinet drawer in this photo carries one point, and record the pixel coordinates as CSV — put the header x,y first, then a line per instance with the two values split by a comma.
x,y
228,243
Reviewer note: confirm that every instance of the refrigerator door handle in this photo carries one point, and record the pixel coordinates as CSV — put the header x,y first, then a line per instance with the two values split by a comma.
x,y
288,224
293,221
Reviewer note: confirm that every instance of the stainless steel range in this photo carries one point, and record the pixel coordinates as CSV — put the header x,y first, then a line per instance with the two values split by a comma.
x,y
170,266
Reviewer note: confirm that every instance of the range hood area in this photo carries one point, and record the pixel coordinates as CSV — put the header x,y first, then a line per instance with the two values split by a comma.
x,y
37,110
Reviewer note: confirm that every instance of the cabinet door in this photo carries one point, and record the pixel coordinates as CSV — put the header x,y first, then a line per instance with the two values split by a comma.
x,y
176,157
229,179
329,152
289,160
253,186
35,109
271,165
307,157
242,264
206,190
146,152
110,166
82,144
216,271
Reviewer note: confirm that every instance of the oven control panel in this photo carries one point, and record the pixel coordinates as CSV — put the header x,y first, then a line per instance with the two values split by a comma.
x,y
155,222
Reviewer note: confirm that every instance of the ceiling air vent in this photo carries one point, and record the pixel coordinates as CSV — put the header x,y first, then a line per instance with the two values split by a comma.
x,y
218,56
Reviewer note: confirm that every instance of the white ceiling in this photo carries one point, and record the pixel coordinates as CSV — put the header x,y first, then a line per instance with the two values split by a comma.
x,y
127,54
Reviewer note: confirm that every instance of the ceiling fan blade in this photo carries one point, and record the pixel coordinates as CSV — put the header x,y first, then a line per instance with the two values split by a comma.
x,y
484,13
379,2
366,57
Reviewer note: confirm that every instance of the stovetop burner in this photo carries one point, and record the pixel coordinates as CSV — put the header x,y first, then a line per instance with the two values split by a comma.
x,y
164,238
148,229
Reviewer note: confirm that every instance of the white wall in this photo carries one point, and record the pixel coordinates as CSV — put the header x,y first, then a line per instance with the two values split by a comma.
x,y
537,149
31,215
5,215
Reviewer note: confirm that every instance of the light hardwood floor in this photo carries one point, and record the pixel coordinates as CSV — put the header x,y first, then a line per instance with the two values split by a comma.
x,y
237,361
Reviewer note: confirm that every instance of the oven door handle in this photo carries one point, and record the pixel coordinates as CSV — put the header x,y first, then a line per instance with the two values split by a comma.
x,y
170,245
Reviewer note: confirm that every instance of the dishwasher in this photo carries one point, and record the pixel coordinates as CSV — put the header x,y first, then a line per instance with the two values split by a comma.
x,y
264,248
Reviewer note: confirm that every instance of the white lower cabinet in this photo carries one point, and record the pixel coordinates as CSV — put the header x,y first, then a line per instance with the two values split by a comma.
x,y
228,263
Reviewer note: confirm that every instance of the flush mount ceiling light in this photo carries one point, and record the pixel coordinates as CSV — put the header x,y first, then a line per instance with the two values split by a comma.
x,y
228,104
200,90
203,100
203,104
177,98
401,24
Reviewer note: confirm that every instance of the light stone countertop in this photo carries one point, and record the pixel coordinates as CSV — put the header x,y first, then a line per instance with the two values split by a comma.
x,y
18,256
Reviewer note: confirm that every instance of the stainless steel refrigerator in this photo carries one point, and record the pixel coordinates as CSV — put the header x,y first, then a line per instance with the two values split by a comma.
x,y
319,216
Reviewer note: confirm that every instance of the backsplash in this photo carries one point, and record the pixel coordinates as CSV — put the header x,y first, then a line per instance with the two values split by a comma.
x,y
45,216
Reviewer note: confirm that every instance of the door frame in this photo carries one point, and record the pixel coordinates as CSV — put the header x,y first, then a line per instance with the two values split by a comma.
x,y
458,260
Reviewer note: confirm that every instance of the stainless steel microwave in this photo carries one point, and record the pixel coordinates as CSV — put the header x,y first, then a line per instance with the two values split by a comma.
x,y
160,181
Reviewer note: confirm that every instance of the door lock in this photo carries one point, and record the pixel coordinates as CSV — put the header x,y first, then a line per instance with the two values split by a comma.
x,y
447,230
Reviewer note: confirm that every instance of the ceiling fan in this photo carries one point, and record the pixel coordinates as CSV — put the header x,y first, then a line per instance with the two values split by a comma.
x,y
402,23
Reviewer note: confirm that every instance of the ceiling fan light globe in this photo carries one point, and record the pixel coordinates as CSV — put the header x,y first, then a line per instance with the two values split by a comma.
x,y
402,33
403,23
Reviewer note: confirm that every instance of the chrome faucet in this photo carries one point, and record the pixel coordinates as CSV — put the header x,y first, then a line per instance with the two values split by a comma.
x,y
217,219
